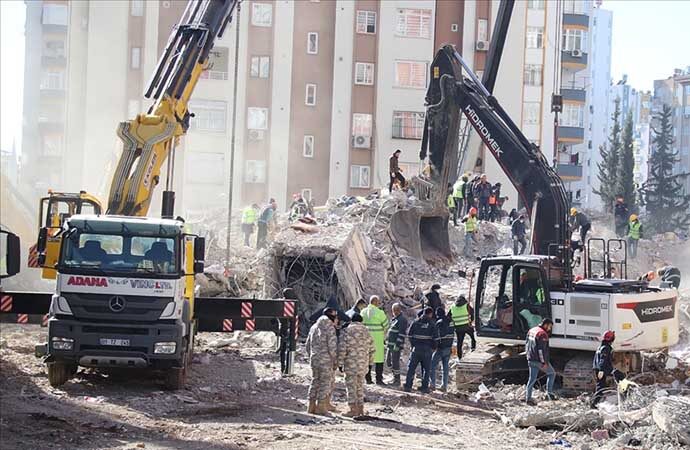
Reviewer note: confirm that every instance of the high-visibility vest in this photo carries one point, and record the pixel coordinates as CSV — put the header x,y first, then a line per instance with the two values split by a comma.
x,y
634,230
249,215
450,201
374,319
540,296
457,189
471,224
460,315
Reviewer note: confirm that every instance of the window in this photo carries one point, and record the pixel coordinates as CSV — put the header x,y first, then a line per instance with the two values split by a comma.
x,y
573,7
52,145
414,23
262,14
573,116
574,40
257,118
362,124
482,30
308,146
530,113
533,74
136,8
313,43
54,49
218,62
306,194
535,37
55,14
410,74
408,124
209,115
535,4
310,95
359,176
366,22
260,67
135,61
364,73
255,171
54,80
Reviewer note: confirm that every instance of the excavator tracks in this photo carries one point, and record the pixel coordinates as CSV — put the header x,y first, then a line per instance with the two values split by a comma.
x,y
577,374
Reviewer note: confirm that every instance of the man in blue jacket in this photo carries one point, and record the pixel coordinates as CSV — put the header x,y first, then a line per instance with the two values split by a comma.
x,y
423,339
446,334
603,366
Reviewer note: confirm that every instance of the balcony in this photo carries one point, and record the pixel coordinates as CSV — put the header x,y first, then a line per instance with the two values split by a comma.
x,y
571,134
574,59
576,19
574,92
54,60
569,172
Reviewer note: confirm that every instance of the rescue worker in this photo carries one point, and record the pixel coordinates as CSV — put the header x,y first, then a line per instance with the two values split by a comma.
x,y
471,229
462,312
668,274
482,192
579,222
377,323
450,203
634,234
266,217
459,197
396,341
432,298
423,339
321,346
357,308
470,199
248,221
395,172
298,208
537,351
355,355
284,334
442,353
495,203
620,215
519,232
603,366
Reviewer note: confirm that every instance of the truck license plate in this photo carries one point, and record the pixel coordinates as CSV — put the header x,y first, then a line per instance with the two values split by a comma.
x,y
115,342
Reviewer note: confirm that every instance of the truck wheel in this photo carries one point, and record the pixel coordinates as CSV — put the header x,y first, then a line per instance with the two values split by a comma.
x,y
175,378
58,373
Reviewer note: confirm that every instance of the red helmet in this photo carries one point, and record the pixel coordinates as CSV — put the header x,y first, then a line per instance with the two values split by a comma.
x,y
608,336
473,210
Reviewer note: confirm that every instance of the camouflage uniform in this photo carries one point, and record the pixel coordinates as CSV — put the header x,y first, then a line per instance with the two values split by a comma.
x,y
322,349
355,355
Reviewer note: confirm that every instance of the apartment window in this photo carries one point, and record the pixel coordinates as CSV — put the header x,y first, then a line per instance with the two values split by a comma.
x,y
408,124
260,67
414,23
573,115
574,40
209,115
410,74
313,43
136,8
310,95
254,171
359,176
54,49
308,146
218,62
257,118
533,74
530,113
53,79
55,14
482,30
364,73
135,58
366,22
262,14
306,194
535,37
362,124
535,4
573,6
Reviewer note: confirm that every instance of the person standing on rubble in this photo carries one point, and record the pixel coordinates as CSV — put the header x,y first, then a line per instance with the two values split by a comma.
x,y
248,221
603,366
634,234
459,197
395,171
423,339
579,222
321,346
432,299
494,203
396,341
620,215
284,334
519,232
377,323
482,192
357,309
355,355
537,351
471,229
266,217
470,199
450,203
462,313
445,344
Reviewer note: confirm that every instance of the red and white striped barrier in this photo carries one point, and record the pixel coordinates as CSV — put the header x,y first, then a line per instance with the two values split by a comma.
x,y
227,324
249,325
246,310
6,303
289,309
44,320
22,318
33,257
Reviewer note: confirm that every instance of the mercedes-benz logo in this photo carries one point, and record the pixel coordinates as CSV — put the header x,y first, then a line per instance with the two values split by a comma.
x,y
116,304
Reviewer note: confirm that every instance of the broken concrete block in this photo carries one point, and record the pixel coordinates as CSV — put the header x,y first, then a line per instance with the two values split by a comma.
x,y
672,415
600,435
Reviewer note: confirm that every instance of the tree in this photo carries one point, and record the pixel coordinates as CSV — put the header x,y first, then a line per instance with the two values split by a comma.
x,y
625,182
668,205
609,161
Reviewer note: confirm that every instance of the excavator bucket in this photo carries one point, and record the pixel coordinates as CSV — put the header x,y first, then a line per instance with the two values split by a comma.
x,y
423,236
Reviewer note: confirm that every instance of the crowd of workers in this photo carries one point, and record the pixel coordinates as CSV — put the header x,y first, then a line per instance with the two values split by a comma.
x,y
475,192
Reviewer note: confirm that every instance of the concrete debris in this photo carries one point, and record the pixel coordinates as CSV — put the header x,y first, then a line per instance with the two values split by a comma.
x,y
672,415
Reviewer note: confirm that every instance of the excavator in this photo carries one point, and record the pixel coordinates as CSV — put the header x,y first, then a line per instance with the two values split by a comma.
x,y
125,289
514,293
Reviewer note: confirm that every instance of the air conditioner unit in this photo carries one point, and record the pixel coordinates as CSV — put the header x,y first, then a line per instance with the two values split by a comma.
x,y
166,4
576,53
482,46
361,141
256,135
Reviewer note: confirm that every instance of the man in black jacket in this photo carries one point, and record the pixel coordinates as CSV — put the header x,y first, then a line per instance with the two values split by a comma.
x,y
621,214
433,298
537,351
423,339
519,232
603,366
445,343
396,341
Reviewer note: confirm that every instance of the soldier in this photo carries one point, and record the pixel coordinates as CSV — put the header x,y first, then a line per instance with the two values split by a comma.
x,y
355,355
322,349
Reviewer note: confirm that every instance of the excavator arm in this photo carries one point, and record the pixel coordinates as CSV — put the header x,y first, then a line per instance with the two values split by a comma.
x,y
150,139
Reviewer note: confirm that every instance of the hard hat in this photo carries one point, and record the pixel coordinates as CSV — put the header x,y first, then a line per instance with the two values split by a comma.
x,y
650,275
573,211
608,336
473,210
633,217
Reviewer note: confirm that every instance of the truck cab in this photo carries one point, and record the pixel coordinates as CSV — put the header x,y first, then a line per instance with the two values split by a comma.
x,y
124,296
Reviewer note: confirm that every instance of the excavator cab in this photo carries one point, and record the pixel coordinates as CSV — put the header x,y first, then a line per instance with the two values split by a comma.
x,y
512,297
54,209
